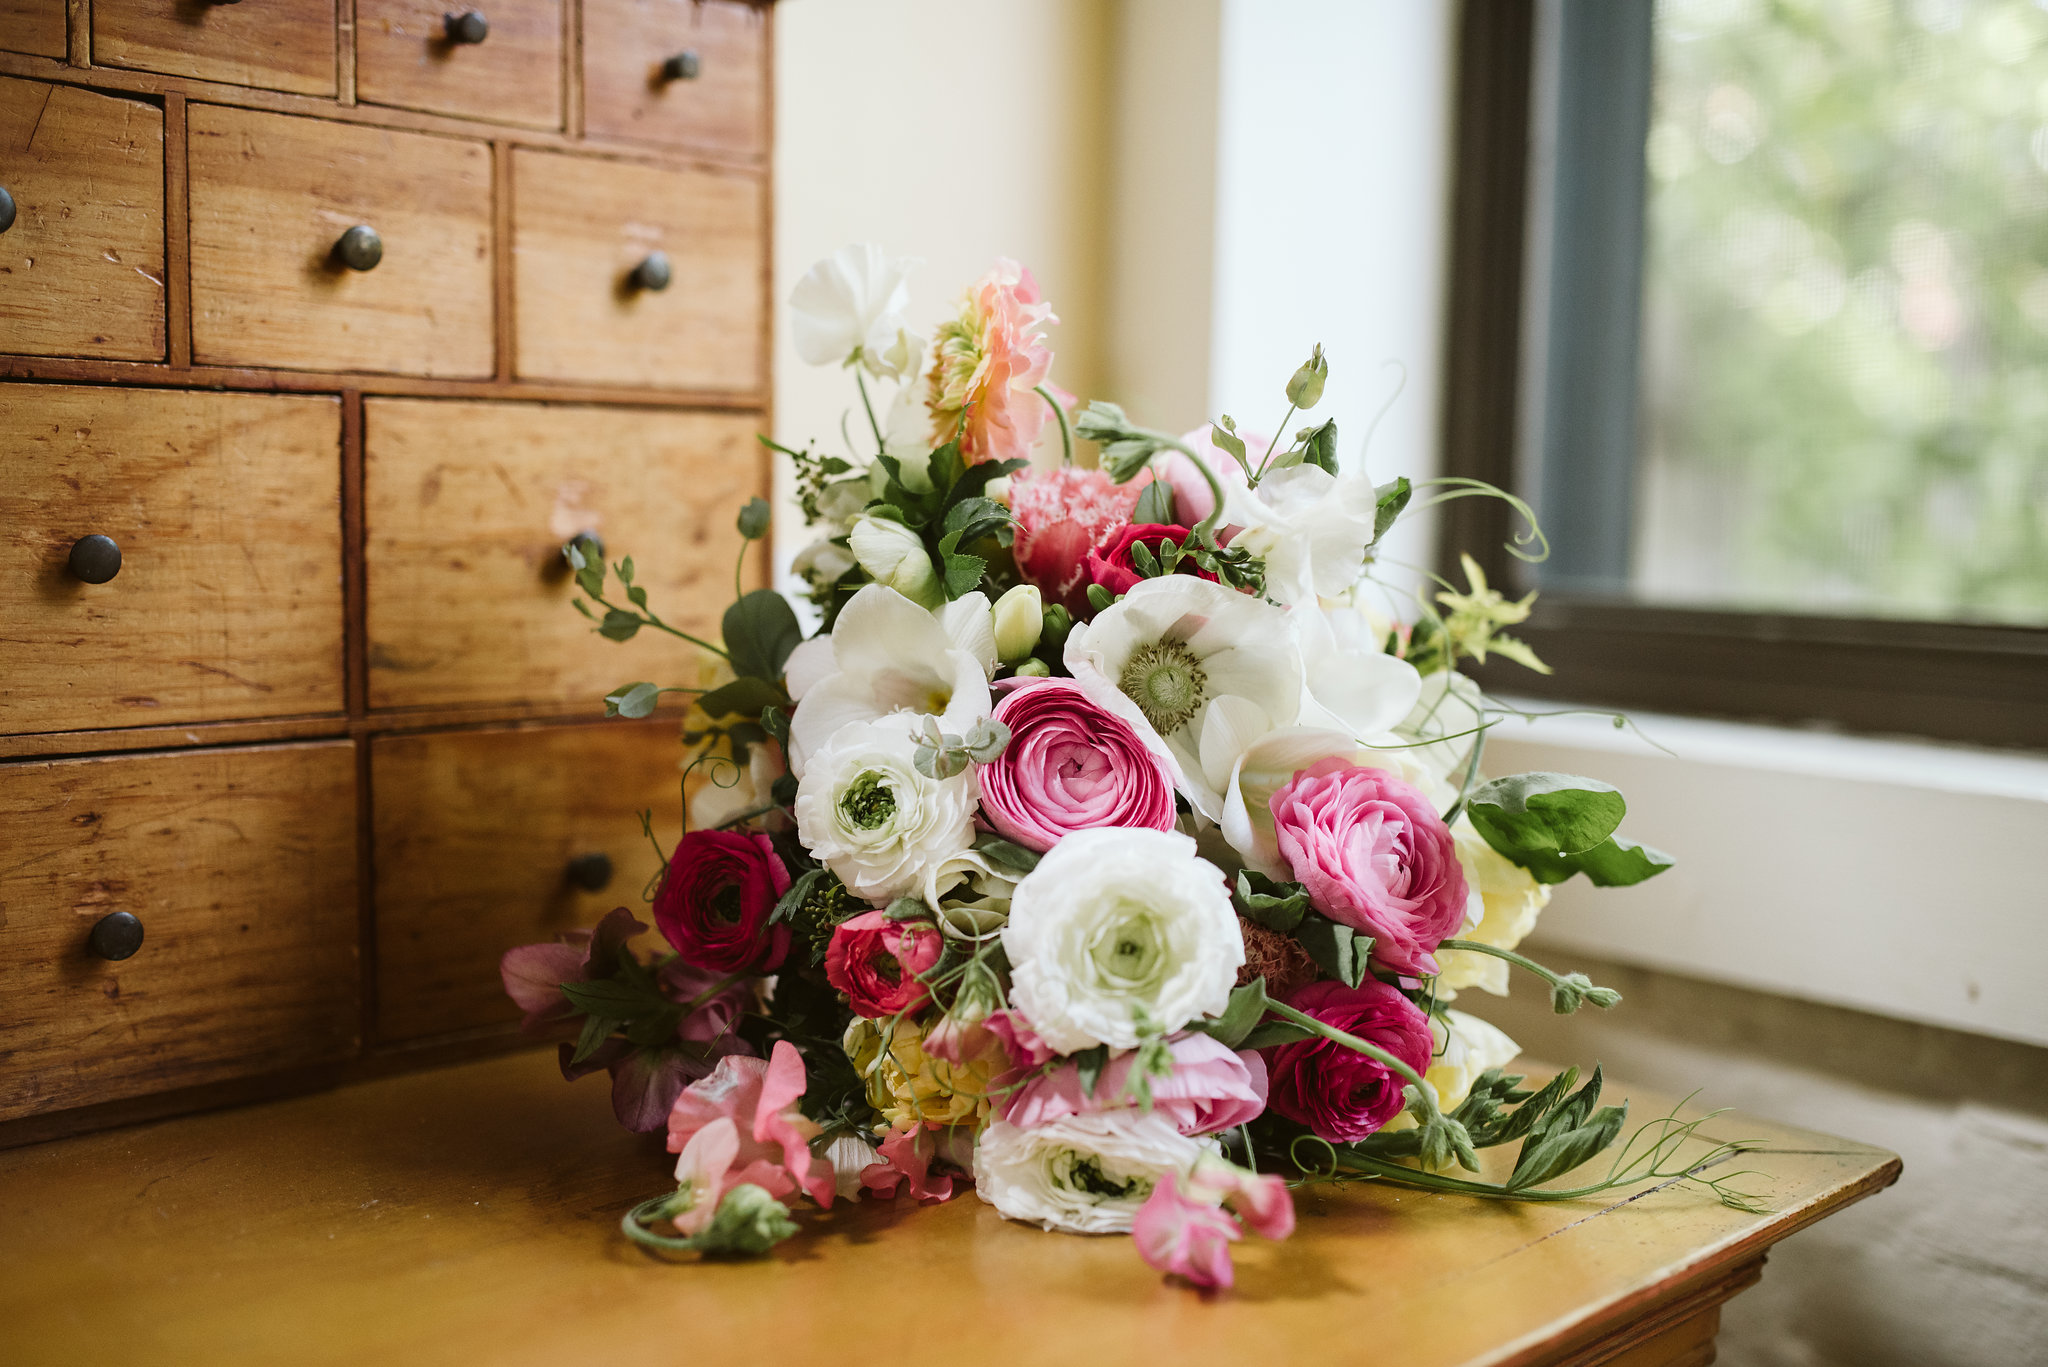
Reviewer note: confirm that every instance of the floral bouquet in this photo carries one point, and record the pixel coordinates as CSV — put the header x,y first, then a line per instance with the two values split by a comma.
x,y
1114,847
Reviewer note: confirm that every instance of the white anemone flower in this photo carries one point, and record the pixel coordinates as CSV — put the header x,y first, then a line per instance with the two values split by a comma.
x,y
1350,683
1120,933
1310,527
888,655
868,815
1080,1174
1198,670
852,303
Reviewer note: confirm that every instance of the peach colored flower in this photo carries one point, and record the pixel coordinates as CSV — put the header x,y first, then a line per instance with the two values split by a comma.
x,y
988,361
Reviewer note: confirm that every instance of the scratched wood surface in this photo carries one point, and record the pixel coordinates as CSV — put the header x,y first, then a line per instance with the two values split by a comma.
x,y
241,866
724,107
82,269
404,58
275,44
228,601
470,1215
33,26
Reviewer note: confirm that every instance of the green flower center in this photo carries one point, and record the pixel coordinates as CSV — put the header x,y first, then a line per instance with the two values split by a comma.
x,y
1167,683
1129,954
1083,1173
869,802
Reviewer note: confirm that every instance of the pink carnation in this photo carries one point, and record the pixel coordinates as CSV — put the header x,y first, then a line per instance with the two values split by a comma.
x,y
1061,516
1375,856
772,1138
988,364
1070,766
1211,1088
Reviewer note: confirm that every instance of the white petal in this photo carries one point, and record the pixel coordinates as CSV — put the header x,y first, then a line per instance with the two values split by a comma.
x,y
1266,766
1229,725
809,663
971,626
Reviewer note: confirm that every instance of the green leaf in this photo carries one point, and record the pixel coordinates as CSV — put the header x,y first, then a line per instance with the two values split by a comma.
x,y
969,516
1391,498
632,700
977,478
1227,440
625,570
1275,1032
1099,598
591,579
1320,447
619,625
1545,813
1617,862
596,1030
775,722
1006,855
1155,505
1146,563
1274,905
754,519
637,595
1090,1063
963,574
1338,950
655,1028
1123,459
745,697
1305,388
613,997
1557,1153
799,891
1240,1017
946,468
760,631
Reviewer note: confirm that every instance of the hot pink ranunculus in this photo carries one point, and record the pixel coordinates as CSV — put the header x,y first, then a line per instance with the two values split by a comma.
x,y
1113,566
987,363
1339,1093
773,1137
1185,1235
1062,515
1070,766
876,961
1212,1088
1375,856
716,898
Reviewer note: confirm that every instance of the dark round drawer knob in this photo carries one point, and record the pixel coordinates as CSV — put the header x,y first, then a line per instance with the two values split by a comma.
x,y
95,558
360,249
654,273
684,66
470,26
6,209
591,872
116,936
592,546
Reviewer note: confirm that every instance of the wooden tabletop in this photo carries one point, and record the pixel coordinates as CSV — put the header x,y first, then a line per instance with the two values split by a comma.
x,y
470,1215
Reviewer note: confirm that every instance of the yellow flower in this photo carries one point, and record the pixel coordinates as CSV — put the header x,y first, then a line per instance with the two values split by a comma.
x,y
1473,620
1513,900
909,1086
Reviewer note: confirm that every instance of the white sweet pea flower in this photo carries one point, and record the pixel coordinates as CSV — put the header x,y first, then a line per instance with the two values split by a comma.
x,y
1309,526
822,562
1120,932
887,655
852,303
1080,1174
868,815
895,556
1198,670
1350,684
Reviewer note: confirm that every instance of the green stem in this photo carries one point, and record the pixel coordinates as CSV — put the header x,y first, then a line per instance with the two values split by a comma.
x,y
1430,1181
873,426
1550,976
1273,442
1206,528
651,620
1336,1036
1471,774
658,1208
1066,432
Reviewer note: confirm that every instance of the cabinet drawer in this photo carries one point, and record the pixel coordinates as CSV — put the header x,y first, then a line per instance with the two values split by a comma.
x,y
33,26
82,269
630,91
476,833
272,196
274,44
581,229
241,866
225,509
405,56
466,509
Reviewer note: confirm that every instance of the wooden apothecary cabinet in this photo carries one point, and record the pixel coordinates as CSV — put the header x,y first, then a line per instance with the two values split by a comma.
x,y
321,329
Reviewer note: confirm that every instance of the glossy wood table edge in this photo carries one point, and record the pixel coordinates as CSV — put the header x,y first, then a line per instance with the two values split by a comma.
x,y
469,1214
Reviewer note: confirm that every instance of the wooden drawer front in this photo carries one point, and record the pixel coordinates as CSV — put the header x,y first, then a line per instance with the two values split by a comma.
x,y
272,44
272,195
475,832
226,510
580,228
723,108
404,58
82,269
33,26
467,506
241,865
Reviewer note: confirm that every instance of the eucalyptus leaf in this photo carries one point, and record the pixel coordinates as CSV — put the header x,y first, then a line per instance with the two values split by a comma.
x,y
632,700
754,518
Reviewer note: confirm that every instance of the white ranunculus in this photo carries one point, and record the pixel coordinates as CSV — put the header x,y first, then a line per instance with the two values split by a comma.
x,y
853,302
1198,670
1466,1046
886,655
896,558
868,815
1310,527
1080,1174
1510,899
1270,762
1120,932
1349,683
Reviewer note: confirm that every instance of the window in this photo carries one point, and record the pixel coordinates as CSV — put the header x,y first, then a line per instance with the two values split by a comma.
x,y
1768,280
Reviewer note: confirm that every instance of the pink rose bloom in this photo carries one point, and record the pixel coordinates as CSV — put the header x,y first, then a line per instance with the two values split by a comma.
x,y
771,1137
1375,856
1062,515
876,962
1185,1236
1212,1088
1337,1092
988,363
1070,766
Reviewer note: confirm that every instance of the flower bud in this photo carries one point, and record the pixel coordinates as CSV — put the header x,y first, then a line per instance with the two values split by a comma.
x,y
1034,669
1020,616
896,557
749,1222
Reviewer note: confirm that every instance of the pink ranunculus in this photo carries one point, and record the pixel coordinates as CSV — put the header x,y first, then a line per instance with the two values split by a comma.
x,y
1070,766
1062,515
1212,1088
759,1097
1339,1093
1185,1235
987,364
1113,566
716,898
876,962
1375,856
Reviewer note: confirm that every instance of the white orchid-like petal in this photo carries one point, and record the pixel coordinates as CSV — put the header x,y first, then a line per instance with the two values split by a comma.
x,y
808,665
1232,725
853,300
1350,683
970,624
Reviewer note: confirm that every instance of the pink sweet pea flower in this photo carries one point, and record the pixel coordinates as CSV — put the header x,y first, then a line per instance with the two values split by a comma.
x,y
908,1158
1070,765
705,1161
774,1137
1019,1040
1211,1088
1062,515
1262,1200
1185,1236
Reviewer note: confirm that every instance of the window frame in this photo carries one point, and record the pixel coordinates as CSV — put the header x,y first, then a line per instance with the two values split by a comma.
x,y
1941,680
